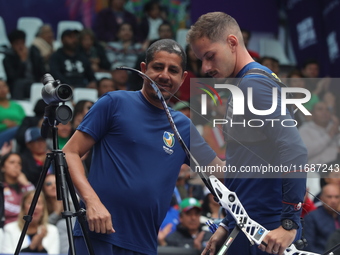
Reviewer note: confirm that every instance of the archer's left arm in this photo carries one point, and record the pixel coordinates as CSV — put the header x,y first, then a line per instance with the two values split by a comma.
x,y
293,155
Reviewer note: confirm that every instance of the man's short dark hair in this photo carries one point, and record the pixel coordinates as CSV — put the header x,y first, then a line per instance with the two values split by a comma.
x,y
167,45
16,35
309,62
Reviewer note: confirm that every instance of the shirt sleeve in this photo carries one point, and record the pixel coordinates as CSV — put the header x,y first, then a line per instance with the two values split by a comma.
x,y
98,120
286,139
199,149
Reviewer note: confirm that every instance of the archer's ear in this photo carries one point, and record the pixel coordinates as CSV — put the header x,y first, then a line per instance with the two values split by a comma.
x,y
143,67
232,41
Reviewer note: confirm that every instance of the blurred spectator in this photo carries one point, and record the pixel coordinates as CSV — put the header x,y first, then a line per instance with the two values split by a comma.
x,y
80,109
321,135
297,80
331,177
105,85
21,66
69,66
148,27
30,121
54,206
94,51
194,69
212,210
213,134
120,78
55,209
34,156
2,210
6,148
183,107
64,133
246,38
125,50
107,21
170,221
165,31
310,69
322,222
333,240
11,115
43,44
186,188
194,64
272,63
15,184
308,206
40,237
189,233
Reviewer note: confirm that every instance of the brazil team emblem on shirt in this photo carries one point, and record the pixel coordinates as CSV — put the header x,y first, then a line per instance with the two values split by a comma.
x,y
168,139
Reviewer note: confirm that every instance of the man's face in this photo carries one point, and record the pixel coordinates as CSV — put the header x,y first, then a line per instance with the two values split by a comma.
x,y
125,33
321,114
165,32
70,41
217,58
3,90
165,69
331,196
18,45
311,71
48,35
191,219
106,85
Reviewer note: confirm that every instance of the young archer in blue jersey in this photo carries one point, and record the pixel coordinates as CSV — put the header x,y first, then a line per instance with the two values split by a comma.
x,y
136,158
216,39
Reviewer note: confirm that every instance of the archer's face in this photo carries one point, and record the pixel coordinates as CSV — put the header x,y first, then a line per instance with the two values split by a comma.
x,y
165,69
217,58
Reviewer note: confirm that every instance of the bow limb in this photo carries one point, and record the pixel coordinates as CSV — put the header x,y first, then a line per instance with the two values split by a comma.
x,y
253,230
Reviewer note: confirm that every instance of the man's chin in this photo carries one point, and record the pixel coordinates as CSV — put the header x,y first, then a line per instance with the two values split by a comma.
x,y
166,96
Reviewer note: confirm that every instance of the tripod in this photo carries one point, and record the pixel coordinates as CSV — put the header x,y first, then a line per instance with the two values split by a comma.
x,y
64,185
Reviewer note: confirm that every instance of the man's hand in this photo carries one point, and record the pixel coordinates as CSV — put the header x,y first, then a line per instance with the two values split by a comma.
x,y
38,238
98,218
198,241
278,240
162,233
22,179
9,123
6,148
215,241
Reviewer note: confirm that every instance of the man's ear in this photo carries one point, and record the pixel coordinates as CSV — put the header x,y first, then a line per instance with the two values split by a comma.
x,y
184,75
232,41
143,67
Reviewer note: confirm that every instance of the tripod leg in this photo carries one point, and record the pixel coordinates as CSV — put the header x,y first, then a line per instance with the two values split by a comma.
x,y
28,217
81,214
62,194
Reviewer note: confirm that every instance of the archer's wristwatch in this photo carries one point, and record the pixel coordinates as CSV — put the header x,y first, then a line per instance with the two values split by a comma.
x,y
288,224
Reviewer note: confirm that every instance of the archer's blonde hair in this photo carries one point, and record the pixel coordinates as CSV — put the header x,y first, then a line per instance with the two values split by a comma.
x,y
215,26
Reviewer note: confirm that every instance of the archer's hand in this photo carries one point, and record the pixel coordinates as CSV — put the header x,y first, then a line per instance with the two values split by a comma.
x,y
99,218
216,240
278,240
